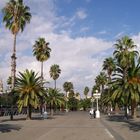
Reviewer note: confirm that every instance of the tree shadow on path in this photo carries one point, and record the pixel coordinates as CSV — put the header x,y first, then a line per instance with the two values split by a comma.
x,y
5,128
133,124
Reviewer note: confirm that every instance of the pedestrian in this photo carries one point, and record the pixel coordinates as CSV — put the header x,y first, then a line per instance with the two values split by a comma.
x,y
94,113
91,112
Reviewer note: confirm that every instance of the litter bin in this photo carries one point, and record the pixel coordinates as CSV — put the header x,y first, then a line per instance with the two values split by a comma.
x,y
45,115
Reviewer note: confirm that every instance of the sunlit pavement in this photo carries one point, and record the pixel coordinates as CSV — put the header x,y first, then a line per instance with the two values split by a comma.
x,y
69,126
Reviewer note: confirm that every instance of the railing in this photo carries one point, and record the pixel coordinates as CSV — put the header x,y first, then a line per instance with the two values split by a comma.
x,y
7,111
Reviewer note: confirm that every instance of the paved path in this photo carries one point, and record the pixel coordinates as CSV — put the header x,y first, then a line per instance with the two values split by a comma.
x,y
70,126
121,128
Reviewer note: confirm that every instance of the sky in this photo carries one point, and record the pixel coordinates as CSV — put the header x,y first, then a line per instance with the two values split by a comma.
x,y
81,34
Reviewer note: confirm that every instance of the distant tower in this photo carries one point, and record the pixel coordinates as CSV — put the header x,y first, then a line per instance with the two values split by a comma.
x,y
1,87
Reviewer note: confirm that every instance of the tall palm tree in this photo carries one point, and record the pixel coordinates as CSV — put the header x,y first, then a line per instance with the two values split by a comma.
x,y
54,97
41,51
109,66
16,16
30,90
125,56
86,91
54,73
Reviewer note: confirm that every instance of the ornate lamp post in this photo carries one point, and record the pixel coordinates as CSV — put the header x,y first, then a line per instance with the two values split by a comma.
x,y
97,96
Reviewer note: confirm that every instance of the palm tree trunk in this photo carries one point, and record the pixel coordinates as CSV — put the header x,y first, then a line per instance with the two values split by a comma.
x,y
116,108
125,111
42,71
102,89
11,113
133,109
29,112
66,101
13,63
13,73
41,106
52,109
54,84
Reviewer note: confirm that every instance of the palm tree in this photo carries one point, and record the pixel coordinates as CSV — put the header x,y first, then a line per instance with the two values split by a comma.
x,y
30,90
77,95
42,52
54,97
125,58
120,91
16,16
125,54
71,94
134,84
54,73
86,91
109,66
127,91
101,80
67,86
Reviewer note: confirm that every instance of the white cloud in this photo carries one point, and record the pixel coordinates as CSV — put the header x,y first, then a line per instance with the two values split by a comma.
x,y
136,39
81,14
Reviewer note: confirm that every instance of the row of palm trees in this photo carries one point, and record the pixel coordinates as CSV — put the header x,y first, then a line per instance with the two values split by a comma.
x,y
28,84
28,87
119,82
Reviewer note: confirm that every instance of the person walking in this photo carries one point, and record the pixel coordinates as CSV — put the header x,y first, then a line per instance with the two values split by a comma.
x,y
91,112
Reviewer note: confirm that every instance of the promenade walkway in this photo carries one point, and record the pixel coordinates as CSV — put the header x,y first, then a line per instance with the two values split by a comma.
x,y
69,126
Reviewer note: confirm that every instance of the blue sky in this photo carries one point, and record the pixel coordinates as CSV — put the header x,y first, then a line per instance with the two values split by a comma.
x,y
104,18
81,35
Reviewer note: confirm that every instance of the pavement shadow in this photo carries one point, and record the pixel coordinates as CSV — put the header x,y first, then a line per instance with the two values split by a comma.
x,y
128,122
117,118
24,118
15,119
134,126
5,128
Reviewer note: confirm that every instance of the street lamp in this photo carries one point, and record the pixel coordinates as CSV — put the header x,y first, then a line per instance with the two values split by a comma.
x,y
97,96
